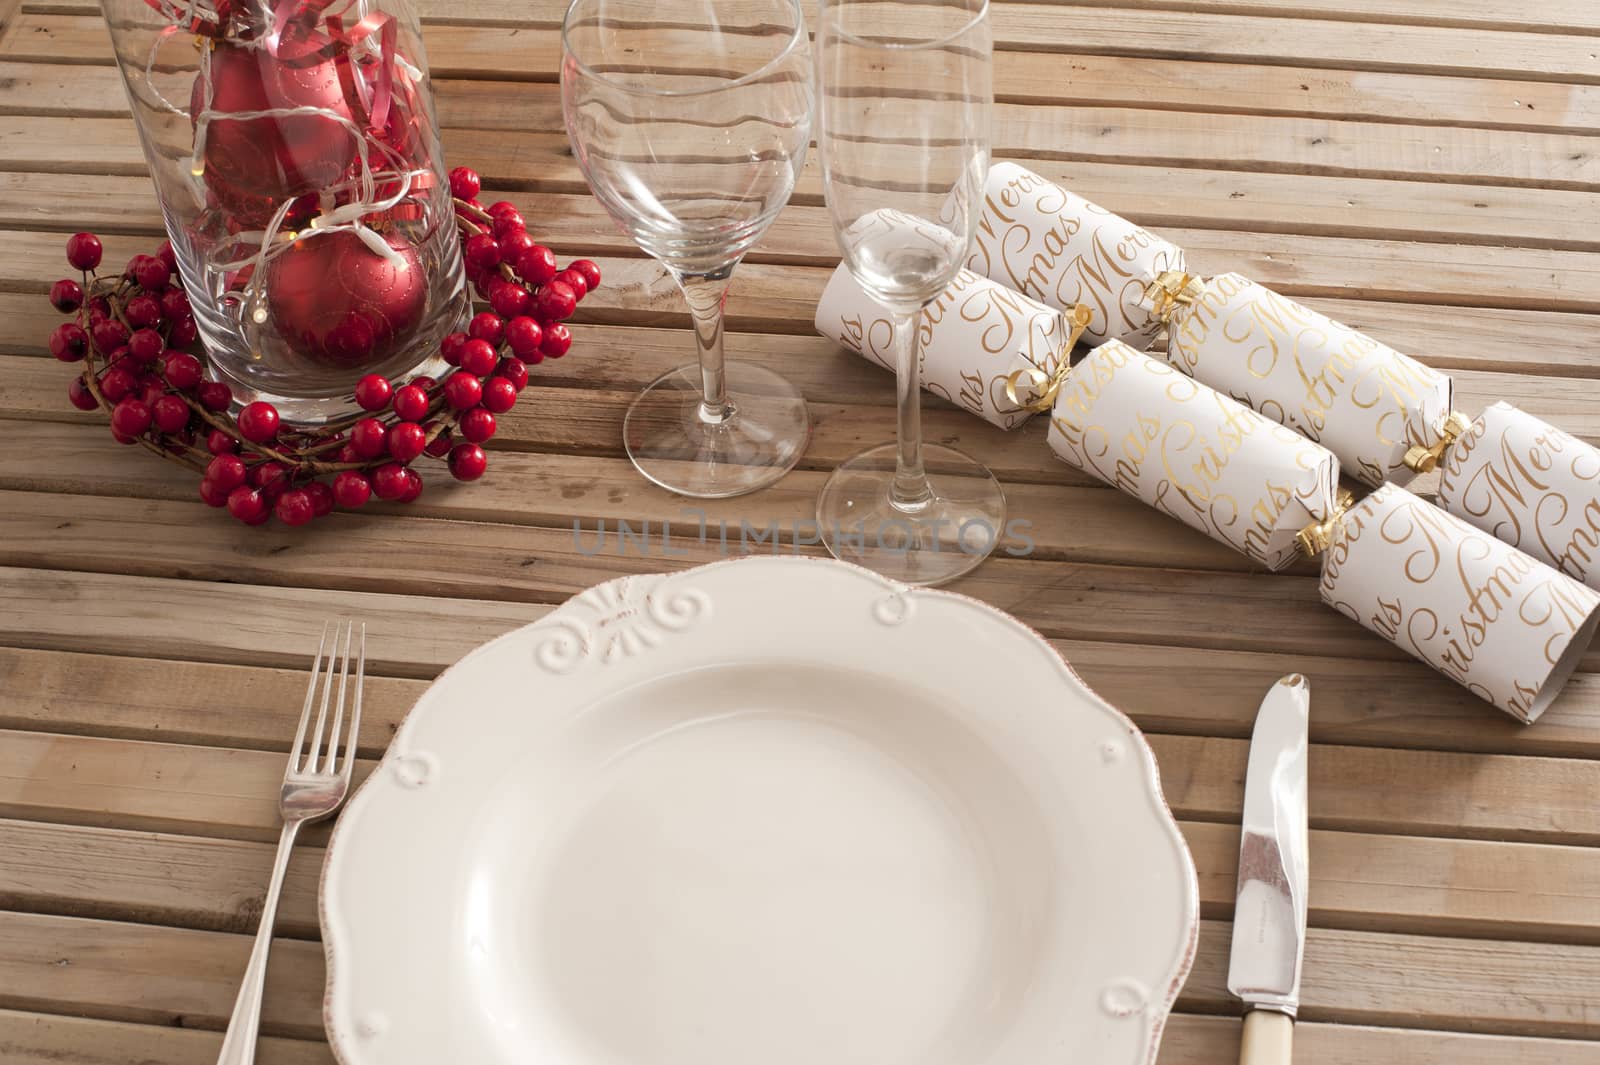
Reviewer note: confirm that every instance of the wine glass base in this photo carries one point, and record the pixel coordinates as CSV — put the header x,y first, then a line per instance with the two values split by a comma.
x,y
672,443
948,536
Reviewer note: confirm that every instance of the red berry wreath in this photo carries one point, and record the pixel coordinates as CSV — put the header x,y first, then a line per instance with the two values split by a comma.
x,y
136,336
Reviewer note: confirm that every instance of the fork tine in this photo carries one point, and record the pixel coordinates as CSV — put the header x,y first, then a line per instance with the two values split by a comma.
x,y
338,710
310,764
355,710
311,694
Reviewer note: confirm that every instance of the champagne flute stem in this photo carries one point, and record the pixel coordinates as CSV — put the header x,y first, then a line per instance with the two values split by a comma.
x,y
910,491
706,293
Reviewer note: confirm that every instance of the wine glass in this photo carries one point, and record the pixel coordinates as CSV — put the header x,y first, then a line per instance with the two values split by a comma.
x,y
690,120
904,107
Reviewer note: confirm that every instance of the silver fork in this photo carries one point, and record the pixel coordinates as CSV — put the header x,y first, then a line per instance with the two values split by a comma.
x,y
310,792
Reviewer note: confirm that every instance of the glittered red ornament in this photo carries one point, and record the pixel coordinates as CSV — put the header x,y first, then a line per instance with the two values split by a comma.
x,y
335,300
272,157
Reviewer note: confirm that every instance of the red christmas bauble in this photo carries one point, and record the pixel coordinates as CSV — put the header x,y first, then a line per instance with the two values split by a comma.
x,y
335,300
272,157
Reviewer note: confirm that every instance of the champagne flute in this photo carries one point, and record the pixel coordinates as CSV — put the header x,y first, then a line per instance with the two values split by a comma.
x,y
690,120
905,100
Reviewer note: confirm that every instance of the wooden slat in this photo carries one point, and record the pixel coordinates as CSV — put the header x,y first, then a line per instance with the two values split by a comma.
x,y
1092,30
42,1039
1362,881
1549,16
1197,692
139,973
229,793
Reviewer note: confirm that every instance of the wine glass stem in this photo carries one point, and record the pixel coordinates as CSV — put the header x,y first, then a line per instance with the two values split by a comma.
x,y
910,491
706,293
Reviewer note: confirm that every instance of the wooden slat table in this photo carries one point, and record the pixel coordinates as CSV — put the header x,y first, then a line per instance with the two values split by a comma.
x,y
1428,170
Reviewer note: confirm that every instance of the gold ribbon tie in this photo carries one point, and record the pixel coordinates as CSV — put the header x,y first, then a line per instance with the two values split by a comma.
x,y
1426,459
1170,290
1045,385
1315,538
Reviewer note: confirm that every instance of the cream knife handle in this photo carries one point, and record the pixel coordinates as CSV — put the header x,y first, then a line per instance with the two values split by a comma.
x,y
1268,1038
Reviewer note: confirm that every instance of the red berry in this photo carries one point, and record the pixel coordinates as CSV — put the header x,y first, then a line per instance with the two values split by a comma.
x,y
557,339
478,358
411,402
465,183
214,395
213,495
500,207
389,482
373,392
109,335
589,269
347,454
175,304
450,348
537,265
406,441
131,417
523,335
66,295
227,472
168,255
467,462
351,488
183,333
320,499
220,443
439,446
151,389
294,507
462,391
182,369
171,413
84,250
68,342
258,422
146,345
508,299
508,223
486,327
413,488
424,382
477,425
368,438
514,241
514,370
482,251
575,281
152,274
248,505
79,395
143,311
499,394
271,477
117,384
99,307
556,302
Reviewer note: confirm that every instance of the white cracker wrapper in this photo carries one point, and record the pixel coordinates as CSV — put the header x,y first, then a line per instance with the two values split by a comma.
x,y
1060,249
1190,451
974,336
1528,483
1365,402
1505,626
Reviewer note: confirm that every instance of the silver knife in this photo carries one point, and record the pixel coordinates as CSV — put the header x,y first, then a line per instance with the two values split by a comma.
x,y
1269,920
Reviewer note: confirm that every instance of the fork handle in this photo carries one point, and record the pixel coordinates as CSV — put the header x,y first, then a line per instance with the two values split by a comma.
x,y
239,1045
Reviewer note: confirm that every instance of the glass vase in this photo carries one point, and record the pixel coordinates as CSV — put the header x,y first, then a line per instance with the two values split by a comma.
x,y
296,155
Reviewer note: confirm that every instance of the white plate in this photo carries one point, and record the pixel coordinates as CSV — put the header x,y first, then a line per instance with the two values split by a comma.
x,y
771,811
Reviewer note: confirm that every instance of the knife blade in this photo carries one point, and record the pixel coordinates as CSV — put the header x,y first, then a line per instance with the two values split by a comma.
x,y
1269,923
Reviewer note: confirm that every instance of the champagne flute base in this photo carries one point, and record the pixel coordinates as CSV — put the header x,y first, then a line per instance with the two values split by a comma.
x,y
680,446
938,541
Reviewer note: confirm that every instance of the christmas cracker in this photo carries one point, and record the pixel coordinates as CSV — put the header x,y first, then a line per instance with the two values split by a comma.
x,y
1528,483
1494,619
